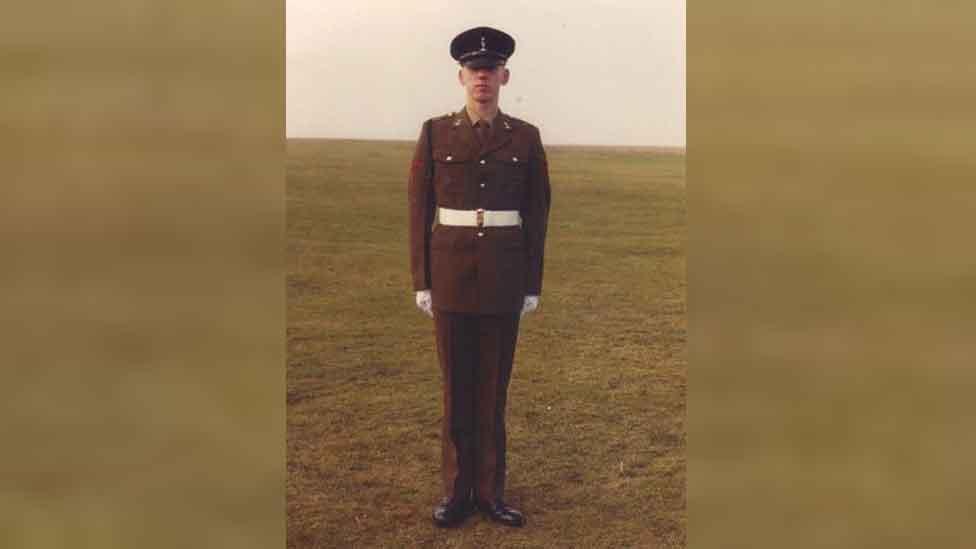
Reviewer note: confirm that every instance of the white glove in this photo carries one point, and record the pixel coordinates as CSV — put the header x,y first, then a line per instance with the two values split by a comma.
x,y
423,302
531,303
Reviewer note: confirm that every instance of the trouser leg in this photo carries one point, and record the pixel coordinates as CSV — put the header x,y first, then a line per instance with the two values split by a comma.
x,y
497,337
475,354
456,348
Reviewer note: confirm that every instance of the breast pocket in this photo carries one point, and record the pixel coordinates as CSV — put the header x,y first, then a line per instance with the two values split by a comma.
x,y
511,169
449,173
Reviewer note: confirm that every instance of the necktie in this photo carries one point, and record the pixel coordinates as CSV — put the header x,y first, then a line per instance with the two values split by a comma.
x,y
482,130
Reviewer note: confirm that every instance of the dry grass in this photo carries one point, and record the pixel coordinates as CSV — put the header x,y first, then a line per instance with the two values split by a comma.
x,y
597,402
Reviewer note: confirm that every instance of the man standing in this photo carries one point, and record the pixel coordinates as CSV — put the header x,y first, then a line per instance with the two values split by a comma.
x,y
482,175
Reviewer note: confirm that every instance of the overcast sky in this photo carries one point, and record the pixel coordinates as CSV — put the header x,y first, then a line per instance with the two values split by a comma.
x,y
606,72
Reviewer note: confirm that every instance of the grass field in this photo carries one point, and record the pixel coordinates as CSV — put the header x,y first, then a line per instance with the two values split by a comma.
x,y
597,402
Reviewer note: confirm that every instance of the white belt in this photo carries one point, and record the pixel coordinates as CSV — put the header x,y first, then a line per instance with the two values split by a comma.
x,y
479,218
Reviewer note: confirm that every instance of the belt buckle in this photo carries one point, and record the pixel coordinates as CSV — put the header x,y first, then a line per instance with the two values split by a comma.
x,y
480,217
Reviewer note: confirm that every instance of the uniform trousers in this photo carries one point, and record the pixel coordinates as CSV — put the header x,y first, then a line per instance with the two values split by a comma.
x,y
475,353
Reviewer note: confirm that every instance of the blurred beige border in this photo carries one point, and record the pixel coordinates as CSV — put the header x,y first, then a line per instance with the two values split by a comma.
x,y
143,289
831,282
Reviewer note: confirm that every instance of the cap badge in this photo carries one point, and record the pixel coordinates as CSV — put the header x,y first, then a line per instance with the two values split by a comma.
x,y
482,42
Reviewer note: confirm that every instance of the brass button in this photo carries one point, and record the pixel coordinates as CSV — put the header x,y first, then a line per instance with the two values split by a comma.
x,y
482,185
482,160
514,159
481,234
449,157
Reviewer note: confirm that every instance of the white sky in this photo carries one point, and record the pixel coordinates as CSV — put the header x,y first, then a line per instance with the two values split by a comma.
x,y
606,72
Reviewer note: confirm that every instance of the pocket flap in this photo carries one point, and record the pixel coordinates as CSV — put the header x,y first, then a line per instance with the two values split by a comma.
x,y
448,156
512,157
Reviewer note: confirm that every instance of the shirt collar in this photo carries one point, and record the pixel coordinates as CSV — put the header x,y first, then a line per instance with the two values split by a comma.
x,y
472,118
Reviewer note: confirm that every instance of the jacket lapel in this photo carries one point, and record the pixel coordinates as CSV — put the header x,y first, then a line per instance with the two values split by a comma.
x,y
501,134
463,138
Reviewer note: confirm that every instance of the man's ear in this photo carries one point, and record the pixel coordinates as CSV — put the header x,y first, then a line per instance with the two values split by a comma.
x,y
505,76
460,78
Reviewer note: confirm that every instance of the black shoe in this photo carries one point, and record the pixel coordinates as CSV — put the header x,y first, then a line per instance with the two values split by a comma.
x,y
450,513
498,511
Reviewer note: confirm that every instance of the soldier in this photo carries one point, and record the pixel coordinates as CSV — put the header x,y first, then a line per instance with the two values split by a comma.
x,y
482,176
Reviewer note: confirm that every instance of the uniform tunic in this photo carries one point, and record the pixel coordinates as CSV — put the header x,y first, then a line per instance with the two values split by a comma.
x,y
467,270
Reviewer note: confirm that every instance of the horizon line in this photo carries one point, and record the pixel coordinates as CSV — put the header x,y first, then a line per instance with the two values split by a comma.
x,y
676,148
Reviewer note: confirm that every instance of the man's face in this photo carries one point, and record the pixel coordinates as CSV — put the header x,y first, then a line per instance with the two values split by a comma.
x,y
482,84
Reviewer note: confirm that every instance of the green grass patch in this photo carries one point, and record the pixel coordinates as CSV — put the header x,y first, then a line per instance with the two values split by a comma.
x,y
597,401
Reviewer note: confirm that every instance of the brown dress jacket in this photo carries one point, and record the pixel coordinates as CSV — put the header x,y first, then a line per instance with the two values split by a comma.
x,y
468,273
